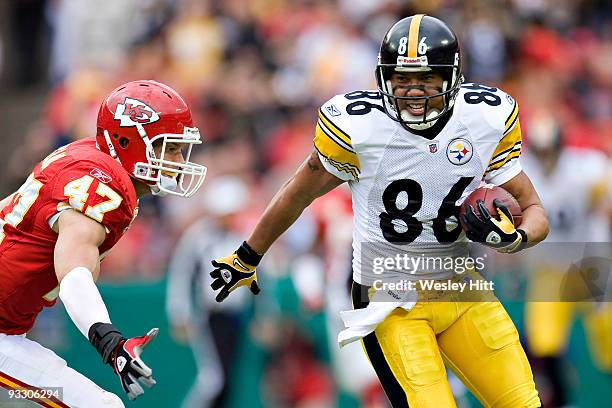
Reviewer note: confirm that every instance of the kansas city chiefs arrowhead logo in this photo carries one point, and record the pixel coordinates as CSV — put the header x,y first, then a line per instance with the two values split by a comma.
x,y
133,111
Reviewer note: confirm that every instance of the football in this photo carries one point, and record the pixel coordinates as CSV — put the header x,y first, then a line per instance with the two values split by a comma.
x,y
487,194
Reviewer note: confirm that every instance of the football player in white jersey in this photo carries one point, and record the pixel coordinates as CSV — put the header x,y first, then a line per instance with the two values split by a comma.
x,y
411,151
573,185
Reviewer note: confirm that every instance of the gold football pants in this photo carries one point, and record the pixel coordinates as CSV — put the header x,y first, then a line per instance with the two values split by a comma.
x,y
476,340
548,322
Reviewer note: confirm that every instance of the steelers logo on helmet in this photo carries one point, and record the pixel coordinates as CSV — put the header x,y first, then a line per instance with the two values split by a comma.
x,y
459,151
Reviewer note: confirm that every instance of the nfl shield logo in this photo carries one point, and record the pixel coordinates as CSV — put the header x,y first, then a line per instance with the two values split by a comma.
x,y
433,147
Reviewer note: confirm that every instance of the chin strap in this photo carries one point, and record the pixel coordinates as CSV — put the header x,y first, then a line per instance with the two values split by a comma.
x,y
166,183
111,148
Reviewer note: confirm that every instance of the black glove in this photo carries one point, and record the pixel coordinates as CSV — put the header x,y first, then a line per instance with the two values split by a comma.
x,y
235,270
499,234
124,356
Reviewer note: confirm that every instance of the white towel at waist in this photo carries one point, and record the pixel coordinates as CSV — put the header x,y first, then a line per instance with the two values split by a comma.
x,y
361,322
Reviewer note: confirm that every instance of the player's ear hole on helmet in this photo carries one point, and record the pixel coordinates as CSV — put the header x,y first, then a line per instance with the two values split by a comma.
x,y
124,142
101,132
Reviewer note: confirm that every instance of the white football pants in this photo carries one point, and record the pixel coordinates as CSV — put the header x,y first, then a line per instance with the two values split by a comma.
x,y
25,361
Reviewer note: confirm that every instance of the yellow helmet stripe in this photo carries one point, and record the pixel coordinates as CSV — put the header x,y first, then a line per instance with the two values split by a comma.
x,y
413,35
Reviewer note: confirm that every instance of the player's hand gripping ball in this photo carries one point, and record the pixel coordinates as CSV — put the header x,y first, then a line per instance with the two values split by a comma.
x,y
490,215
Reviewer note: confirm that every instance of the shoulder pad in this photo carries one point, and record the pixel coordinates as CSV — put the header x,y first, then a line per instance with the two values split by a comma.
x,y
98,191
489,104
334,131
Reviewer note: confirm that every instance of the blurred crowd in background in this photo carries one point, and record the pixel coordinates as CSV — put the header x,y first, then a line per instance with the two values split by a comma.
x,y
254,73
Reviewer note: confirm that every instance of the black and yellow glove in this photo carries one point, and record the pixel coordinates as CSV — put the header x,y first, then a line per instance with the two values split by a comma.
x,y
238,269
499,234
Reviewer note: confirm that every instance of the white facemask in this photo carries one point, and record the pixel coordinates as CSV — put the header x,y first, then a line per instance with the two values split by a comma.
x,y
187,177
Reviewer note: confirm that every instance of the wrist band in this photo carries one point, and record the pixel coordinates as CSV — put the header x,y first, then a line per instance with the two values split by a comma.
x,y
248,255
105,337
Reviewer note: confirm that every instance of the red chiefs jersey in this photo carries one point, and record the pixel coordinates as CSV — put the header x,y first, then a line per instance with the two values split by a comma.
x,y
76,176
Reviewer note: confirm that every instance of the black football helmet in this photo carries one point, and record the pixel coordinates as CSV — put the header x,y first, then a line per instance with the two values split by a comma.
x,y
419,43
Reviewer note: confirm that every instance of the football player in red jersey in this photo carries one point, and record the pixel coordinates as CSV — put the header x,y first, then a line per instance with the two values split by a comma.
x,y
72,209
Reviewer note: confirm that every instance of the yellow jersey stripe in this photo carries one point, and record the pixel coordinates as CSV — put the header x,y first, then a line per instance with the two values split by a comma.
x,y
334,128
341,142
342,159
512,118
344,168
509,147
503,158
508,158
508,141
331,149
413,35
501,155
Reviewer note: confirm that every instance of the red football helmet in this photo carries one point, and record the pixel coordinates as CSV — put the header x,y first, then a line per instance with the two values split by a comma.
x,y
140,113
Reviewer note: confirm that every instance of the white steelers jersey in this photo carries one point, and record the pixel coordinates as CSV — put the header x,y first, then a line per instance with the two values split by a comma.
x,y
406,189
568,194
